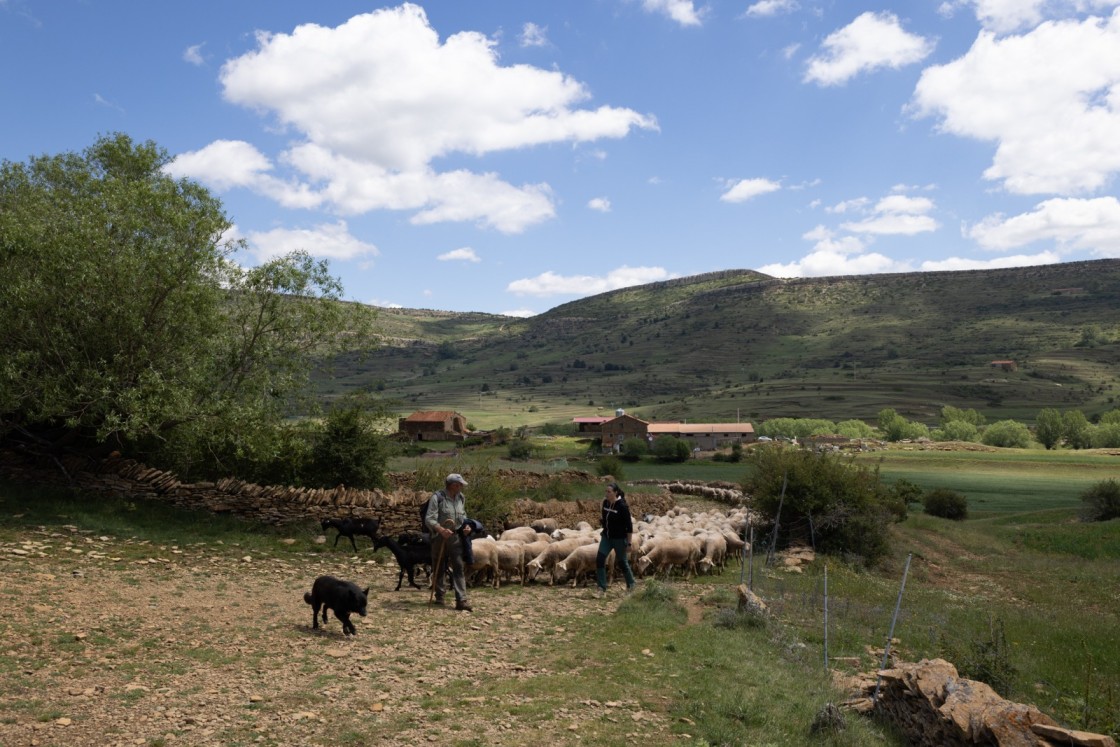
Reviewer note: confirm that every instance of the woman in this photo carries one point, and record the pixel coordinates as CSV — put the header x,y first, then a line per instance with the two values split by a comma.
x,y
617,528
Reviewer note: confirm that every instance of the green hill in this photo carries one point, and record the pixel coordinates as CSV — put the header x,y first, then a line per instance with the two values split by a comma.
x,y
739,344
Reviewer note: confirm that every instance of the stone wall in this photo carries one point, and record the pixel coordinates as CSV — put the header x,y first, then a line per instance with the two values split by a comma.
x,y
397,508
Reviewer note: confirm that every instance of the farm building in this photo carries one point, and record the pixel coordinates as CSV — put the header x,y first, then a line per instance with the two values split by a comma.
x,y
705,435
621,427
590,425
433,425
1004,365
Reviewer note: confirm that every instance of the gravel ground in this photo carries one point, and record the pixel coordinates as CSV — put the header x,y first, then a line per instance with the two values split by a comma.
x,y
116,642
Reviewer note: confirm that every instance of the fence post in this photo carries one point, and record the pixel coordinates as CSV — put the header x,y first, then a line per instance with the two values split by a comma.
x,y
750,562
777,522
890,635
826,617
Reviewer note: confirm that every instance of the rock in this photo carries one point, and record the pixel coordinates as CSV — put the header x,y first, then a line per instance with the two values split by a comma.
x,y
1058,735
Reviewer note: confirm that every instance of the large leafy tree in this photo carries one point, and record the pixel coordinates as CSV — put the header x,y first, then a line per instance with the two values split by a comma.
x,y
124,320
1049,427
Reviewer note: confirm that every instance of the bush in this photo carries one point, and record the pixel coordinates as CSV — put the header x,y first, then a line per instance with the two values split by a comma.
x,y
610,465
828,497
987,658
956,430
1102,501
946,504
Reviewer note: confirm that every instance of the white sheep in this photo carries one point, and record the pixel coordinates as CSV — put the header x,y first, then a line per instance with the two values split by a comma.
x,y
666,554
578,564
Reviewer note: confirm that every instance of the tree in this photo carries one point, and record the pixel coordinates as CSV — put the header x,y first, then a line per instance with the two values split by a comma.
x,y
1076,429
951,414
956,430
1007,433
897,428
1049,427
349,450
126,323
671,449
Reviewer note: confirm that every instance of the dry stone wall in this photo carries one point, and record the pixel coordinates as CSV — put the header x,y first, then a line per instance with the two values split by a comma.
x,y
397,508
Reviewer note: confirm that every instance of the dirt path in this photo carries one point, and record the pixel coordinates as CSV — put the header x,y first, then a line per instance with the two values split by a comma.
x,y
195,645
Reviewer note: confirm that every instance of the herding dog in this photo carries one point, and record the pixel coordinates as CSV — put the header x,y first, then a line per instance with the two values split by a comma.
x,y
341,597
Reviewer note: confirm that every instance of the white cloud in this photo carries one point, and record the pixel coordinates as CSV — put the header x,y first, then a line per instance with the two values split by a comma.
x,y
328,240
465,254
825,263
102,101
870,42
857,204
894,215
551,284
790,50
193,55
744,189
384,304
826,241
601,204
766,8
522,313
1070,223
681,11
1005,16
533,35
962,263
1049,99
376,100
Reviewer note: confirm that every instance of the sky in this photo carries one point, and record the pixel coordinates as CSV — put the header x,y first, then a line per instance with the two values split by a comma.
x,y
509,156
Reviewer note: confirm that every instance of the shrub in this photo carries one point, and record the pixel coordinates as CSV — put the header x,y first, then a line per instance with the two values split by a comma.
x,y
1102,501
1008,434
956,430
1106,436
671,449
829,497
946,504
520,449
632,449
610,465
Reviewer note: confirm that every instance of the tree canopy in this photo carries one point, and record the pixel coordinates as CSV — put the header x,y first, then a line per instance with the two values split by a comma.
x,y
126,321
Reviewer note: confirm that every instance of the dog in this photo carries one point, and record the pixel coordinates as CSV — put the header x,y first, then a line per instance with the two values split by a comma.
x,y
341,597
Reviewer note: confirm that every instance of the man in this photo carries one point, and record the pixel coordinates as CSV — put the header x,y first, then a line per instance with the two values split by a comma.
x,y
446,515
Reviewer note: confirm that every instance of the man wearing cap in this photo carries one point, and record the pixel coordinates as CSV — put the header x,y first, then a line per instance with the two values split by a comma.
x,y
446,515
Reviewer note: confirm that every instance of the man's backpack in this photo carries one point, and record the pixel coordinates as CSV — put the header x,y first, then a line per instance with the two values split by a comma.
x,y
424,516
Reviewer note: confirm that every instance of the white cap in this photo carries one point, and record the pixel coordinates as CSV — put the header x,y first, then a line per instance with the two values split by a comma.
x,y
455,477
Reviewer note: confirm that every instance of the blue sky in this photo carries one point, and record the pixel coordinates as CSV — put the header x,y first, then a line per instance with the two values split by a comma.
x,y
508,156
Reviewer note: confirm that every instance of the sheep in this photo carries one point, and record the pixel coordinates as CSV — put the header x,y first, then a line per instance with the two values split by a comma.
x,y
485,559
525,534
579,562
667,553
511,559
555,552
348,527
715,550
548,526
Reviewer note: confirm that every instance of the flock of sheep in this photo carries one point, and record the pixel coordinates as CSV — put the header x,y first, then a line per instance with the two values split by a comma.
x,y
682,540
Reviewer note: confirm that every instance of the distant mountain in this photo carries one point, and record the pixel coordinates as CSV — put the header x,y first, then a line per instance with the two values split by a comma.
x,y
739,344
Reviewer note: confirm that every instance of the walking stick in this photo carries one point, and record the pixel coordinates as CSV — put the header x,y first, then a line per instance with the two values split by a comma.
x,y
436,571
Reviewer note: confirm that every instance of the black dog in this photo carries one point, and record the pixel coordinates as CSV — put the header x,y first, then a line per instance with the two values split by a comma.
x,y
409,555
350,527
342,597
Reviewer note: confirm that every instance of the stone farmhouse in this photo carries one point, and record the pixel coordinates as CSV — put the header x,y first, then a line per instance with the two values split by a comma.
x,y
433,425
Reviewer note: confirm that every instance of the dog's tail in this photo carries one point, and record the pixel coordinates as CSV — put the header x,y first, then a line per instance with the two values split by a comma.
x,y
307,597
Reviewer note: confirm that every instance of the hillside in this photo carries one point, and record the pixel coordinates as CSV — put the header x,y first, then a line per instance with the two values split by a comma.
x,y
738,344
